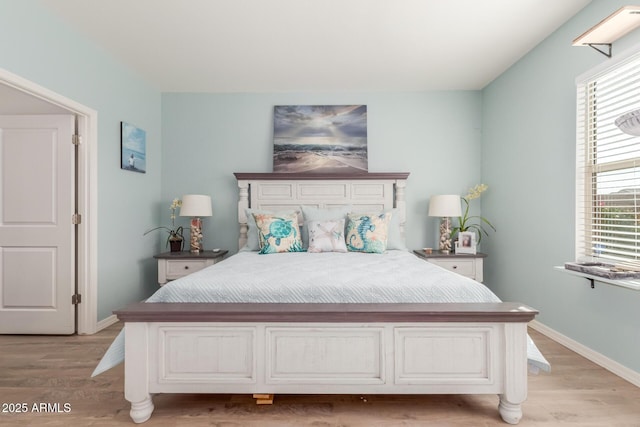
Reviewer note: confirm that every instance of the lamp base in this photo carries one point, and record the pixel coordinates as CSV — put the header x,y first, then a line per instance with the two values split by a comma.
x,y
445,235
196,236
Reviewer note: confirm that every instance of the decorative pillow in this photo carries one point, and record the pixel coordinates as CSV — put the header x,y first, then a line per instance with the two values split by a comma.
x,y
394,236
278,233
313,213
368,232
326,236
253,241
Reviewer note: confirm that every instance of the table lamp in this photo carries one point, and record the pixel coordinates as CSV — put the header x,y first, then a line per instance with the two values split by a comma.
x,y
196,206
445,206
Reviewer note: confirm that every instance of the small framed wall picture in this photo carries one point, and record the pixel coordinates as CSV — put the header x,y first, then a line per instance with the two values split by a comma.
x,y
133,150
466,243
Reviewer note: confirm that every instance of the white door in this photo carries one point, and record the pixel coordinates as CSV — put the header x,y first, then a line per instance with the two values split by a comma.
x,y
37,237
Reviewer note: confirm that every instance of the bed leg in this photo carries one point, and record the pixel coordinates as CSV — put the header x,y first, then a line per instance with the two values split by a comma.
x,y
510,412
141,411
136,370
263,399
515,373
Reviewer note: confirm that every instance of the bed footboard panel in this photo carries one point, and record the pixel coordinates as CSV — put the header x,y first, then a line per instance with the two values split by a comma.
x,y
325,355
416,349
446,355
324,358
191,353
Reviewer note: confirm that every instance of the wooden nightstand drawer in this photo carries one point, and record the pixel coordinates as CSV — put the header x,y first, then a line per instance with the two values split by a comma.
x,y
174,265
465,267
468,265
176,269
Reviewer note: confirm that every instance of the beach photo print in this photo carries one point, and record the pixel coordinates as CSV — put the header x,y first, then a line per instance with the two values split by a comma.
x,y
320,139
133,152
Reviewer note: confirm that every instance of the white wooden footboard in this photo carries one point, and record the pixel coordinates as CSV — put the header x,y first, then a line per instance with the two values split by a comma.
x,y
326,348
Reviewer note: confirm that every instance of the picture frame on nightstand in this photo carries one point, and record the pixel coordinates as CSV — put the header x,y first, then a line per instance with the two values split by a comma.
x,y
466,243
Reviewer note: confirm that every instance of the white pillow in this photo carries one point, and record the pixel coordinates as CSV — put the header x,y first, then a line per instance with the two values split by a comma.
x,y
326,236
313,213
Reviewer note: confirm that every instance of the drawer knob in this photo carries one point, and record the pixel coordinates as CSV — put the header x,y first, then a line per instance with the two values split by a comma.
x,y
186,267
454,267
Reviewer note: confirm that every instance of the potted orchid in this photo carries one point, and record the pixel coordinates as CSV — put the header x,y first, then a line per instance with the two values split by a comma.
x,y
473,223
175,239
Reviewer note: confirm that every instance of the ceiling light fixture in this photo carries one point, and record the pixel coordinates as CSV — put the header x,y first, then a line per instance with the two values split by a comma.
x,y
629,123
610,29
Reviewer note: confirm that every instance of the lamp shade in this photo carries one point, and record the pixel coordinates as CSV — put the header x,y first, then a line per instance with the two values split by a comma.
x,y
446,205
196,205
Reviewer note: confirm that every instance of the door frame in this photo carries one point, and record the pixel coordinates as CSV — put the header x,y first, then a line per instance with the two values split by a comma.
x,y
87,193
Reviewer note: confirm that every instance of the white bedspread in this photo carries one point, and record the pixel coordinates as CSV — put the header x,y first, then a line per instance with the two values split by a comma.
x,y
396,276
328,277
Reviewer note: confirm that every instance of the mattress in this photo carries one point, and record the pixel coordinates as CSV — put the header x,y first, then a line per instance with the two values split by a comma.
x,y
328,277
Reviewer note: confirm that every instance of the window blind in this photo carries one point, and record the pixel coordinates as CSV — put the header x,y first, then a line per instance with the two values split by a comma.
x,y
608,168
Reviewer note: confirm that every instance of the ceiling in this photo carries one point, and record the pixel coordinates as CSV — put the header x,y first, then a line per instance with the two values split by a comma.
x,y
316,45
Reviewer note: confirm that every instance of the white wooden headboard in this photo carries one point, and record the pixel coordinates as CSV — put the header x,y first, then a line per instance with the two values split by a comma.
x,y
281,191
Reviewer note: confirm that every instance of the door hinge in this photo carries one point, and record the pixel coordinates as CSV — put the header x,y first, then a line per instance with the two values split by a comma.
x,y
76,139
76,218
76,299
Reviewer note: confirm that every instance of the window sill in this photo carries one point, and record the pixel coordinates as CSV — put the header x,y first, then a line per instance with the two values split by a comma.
x,y
629,284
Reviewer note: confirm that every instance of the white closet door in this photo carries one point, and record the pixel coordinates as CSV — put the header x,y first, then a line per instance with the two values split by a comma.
x,y
37,243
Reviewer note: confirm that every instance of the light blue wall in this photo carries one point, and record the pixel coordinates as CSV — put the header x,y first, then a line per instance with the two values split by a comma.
x,y
528,160
36,45
524,152
207,137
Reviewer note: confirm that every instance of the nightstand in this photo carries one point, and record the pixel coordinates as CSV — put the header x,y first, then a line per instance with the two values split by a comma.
x,y
173,265
469,265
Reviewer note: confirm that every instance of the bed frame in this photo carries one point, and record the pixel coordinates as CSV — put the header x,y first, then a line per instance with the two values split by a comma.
x,y
265,349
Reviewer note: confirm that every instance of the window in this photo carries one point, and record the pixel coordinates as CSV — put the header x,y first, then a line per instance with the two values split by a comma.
x,y
608,167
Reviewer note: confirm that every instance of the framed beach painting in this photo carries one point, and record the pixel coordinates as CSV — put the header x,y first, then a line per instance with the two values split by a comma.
x,y
133,151
320,139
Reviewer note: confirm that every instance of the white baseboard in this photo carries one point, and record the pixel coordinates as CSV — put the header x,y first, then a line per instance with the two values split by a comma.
x,y
610,365
104,323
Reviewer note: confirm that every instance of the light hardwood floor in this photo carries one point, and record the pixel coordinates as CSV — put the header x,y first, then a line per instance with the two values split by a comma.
x,y
56,370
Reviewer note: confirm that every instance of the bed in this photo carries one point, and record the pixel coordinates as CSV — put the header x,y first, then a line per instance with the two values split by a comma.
x,y
328,322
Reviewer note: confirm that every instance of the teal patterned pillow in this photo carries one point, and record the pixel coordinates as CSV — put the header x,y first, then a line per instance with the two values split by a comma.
x,y
368,232
278,233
